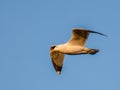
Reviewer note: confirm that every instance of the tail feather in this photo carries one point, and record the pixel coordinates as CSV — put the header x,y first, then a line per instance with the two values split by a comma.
x,y
93,51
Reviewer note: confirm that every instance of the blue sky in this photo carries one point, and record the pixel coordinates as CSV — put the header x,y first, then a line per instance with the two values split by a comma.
x,y
29,27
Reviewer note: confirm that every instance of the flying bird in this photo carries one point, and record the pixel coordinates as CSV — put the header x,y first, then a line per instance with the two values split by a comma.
x,y
75,46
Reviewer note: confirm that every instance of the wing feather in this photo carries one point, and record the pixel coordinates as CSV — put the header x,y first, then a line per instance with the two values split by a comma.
x,y
80,35
57,60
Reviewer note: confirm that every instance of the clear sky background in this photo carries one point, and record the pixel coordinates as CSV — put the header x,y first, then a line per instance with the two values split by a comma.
x,y
29,27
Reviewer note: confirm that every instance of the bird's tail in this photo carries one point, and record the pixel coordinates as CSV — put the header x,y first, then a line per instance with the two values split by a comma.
x,y
93,51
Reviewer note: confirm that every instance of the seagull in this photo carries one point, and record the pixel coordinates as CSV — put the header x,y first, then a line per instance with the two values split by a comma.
x,y
75,46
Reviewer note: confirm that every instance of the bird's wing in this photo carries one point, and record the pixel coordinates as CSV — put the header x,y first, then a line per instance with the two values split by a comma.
x,y
80,35
57,60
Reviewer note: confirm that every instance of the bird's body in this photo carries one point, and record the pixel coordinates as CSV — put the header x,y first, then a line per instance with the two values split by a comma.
x,y
75,46
69,49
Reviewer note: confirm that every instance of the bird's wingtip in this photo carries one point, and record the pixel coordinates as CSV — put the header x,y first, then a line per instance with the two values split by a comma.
x,y
58,72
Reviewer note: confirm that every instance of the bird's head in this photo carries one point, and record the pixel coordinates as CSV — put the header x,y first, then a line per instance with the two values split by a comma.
x,y
52,47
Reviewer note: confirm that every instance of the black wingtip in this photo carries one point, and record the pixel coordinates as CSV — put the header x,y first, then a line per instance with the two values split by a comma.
x,y
58,68
98,33
91,31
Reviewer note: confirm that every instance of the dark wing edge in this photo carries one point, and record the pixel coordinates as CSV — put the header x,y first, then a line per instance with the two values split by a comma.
x,y
90,31
97,33
57,67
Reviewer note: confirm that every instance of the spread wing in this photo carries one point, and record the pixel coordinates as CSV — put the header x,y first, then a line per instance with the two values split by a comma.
x,y
57,60
80,35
